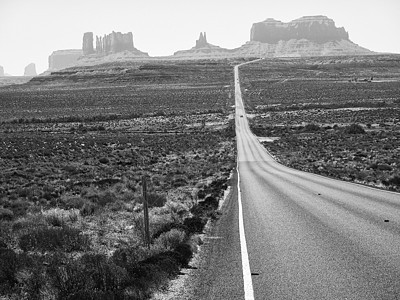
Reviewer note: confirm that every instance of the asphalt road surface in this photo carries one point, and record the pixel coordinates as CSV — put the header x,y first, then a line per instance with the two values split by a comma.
x,y
306,236
310,237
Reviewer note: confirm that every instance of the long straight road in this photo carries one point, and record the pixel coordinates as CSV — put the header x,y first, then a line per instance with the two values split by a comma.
x,y
310,237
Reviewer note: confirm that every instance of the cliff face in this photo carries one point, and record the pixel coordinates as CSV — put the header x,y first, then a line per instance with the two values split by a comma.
x,y
30,70
307,36
300,48
114,42
62,59
87,45
319,29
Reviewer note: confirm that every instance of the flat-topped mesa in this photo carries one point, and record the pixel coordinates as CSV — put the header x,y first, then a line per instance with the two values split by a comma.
x,y
61,59
114,42
202,41
318,29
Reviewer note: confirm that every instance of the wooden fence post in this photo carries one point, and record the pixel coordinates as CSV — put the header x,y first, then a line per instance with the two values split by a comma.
x,y
146,212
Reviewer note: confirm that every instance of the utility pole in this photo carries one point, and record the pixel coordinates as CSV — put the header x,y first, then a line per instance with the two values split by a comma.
x,y
146,212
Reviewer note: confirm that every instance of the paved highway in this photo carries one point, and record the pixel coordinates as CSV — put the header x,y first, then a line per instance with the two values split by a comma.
x,y
310,237
286,234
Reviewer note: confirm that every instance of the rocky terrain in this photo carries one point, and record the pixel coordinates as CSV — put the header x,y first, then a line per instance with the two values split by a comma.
x,y
337,117
30,70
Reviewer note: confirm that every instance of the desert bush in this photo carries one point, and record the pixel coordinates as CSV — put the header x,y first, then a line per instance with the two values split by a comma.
x,y
177,210
73,201
8,263
154,200
354,129
383,167
104,160
194,224
106,197
88,209
117,206
130,255
148,277
159,223
51,239
179,181
55,220
99,197
28,223
19,207
167,262
168,226
171,239
6,214
311,128
59,217
395,180
31,276
93,276
185,252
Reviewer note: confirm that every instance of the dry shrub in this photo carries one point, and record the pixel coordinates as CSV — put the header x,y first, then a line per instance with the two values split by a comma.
x,y
73,201
59,217
6,214
171,239
50,239
195,224
155,200
8,263
354,129
88,209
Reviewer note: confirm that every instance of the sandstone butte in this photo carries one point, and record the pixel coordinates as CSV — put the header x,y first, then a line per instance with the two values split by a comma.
x,y
30,70
306,36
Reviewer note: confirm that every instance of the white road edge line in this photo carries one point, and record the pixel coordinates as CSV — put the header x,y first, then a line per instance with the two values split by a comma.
x,y
247,281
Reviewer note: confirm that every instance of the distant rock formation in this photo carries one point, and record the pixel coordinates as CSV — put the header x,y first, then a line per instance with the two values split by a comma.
x,y
1,71
203,49
300,48
202,41
87,45
114,42
307,36
318,29
62,59
30,70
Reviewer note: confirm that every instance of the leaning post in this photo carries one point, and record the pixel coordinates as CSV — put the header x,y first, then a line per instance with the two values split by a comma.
x,y
146,212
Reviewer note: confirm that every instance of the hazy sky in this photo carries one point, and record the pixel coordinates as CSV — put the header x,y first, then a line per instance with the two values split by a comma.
x,y
30,30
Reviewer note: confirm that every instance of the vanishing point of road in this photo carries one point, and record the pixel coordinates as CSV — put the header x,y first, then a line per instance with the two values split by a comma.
x,y
287,234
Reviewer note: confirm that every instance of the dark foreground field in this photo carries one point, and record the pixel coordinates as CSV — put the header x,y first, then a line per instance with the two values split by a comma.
x,y
74,148
338,117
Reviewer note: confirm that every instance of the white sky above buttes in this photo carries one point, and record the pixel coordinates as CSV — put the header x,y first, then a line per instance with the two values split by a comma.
x,y
30,30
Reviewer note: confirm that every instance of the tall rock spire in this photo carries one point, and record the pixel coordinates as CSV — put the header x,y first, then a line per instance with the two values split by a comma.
x,y
202,41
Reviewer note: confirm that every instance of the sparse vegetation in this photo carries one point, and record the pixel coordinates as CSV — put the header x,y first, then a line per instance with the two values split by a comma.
x,y
71,215
324,122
